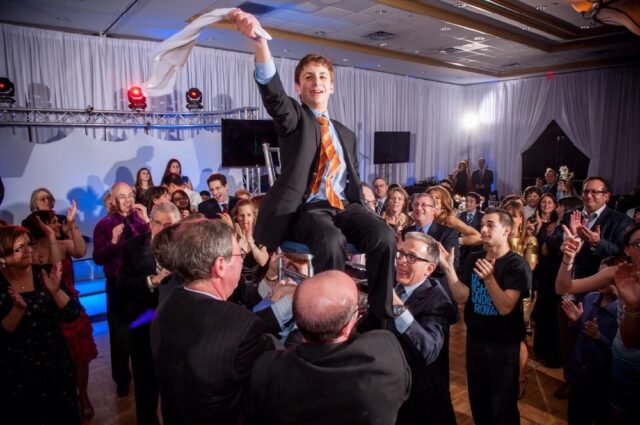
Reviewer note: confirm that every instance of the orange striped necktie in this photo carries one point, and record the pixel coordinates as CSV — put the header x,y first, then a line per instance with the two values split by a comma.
x,y
328,158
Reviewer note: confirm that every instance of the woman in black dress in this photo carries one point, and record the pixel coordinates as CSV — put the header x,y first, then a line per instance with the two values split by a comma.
x,y
254,265
546,338
462,179
36,370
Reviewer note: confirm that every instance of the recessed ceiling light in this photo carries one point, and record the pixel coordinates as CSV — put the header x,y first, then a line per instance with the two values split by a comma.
x,y
383,44
460,5
320,33
525,28
381,11
285,50
345,59
541,7
445,29
479,38
63,19
416,51
585,27
378,66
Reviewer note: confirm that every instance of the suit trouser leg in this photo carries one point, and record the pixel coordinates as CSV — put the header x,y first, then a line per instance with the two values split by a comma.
x,y
144,379
326,231
118,338
492,380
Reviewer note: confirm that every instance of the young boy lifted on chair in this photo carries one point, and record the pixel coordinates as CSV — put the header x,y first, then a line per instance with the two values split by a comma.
x,y
317,200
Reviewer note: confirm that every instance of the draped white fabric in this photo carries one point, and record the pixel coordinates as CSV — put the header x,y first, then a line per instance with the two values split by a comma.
x,y
599,110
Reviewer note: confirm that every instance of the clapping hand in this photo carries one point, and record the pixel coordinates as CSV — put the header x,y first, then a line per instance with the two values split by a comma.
x,y
592,236
48,231
72,212
570,246
484,268
446,257
17,299
226,218
575,222
627,281
53,280
591,329
573,311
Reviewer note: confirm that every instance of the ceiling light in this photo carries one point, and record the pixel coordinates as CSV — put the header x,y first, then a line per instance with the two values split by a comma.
x,y
345,59
460,5
585,27
479,38
320,33
582,6
541,7
383,44
416,51
445,29
285,50
381,11
378,66
525,28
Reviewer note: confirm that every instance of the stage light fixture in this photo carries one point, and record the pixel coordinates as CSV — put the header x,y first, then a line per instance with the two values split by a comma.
x,y
7,91
137,100
194,99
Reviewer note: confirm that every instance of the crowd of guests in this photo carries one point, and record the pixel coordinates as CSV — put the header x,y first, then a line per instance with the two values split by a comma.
x,y
197,315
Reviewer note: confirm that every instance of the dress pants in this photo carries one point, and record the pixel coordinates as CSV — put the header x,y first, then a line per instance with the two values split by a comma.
x,y
144,379
492,380
326,231
118,336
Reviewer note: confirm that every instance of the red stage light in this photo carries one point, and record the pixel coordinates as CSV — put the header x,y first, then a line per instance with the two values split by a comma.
x,y
194,99
137,100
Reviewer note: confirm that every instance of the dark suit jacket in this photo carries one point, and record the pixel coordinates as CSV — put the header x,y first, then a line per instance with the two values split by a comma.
x,y
138,262
486,180
425,345
203,352
612,226
210,208
299,140
477,220
360,381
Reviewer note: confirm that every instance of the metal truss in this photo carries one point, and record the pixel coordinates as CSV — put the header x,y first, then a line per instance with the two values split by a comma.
x,y
33,117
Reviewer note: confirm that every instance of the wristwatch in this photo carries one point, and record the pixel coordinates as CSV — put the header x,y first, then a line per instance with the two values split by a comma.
x,y
398,310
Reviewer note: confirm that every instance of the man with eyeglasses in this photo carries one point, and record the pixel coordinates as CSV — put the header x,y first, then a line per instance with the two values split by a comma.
x,y
204,346
600,227
335,376
424,314
380,188
423,212
111,232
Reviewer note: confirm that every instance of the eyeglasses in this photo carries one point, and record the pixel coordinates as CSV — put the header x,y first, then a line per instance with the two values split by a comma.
x,y
423,205
22,248
241,255
635,245
587,192
411,259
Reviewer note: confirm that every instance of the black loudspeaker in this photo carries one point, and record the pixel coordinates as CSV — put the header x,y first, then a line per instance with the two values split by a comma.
x,y
390,147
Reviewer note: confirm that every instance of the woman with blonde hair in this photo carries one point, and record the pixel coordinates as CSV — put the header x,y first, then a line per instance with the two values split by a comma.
x,y
526,246
446,216
254,264
396,213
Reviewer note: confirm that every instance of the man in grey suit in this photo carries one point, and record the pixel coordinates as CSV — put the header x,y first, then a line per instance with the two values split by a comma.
x,y
204,347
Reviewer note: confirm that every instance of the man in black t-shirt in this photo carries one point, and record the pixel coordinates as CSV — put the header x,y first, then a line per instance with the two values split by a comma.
x,y
492,285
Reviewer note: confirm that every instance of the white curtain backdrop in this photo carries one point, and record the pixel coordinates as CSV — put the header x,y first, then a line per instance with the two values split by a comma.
x,y
599,110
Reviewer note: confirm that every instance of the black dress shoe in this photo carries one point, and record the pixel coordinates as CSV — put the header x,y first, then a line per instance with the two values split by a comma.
x,y
122,390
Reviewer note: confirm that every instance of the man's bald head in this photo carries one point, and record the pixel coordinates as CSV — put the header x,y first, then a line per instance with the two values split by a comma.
x,y
123,198
324,307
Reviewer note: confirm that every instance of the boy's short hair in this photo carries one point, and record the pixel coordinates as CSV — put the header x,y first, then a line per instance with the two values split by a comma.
x,y
314,58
